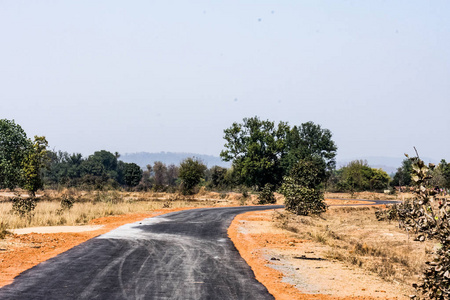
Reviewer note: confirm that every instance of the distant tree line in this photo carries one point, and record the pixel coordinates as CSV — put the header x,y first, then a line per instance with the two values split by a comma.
x,y
357,176
100,170
298,161
440,175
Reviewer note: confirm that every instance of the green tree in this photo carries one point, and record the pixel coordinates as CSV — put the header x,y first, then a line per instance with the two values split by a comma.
x,y
355,176
403,175
191,172
132,174
160,175
34,163
216,177
302,188
100,168
309,141
379,180
14,148
255,147
444,169
263,153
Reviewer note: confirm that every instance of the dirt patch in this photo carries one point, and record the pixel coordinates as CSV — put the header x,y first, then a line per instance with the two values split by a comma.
x,y
56,229
293,268
21,252
345,202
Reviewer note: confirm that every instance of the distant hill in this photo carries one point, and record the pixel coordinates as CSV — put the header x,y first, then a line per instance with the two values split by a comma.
x,y
142,159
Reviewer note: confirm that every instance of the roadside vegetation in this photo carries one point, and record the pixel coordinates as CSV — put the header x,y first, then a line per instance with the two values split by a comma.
x,y
47,188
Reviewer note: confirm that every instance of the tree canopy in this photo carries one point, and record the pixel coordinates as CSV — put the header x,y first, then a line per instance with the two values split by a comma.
x,y
262,152
14,148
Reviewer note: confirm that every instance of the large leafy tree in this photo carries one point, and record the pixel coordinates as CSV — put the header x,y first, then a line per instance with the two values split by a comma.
x,y
14,148
262,152
308,142
256,147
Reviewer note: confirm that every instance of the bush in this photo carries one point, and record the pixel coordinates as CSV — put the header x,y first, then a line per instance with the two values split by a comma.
x,y
302,200
266,195
67,202
3,230
302,188
23,206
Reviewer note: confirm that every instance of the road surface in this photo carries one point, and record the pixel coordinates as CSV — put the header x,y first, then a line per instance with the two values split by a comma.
x,y
180,255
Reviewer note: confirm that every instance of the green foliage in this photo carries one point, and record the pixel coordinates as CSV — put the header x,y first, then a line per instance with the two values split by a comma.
x,y
191,173
301,189
266,195
309,141
255,147
24,207
35,161
216,178
428,217
101,164
263,153
403,175
302,200
14,148
444,169
358,176
132,174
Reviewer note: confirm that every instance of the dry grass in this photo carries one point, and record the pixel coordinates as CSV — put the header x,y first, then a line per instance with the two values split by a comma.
x,y
369,196
92,205
354,236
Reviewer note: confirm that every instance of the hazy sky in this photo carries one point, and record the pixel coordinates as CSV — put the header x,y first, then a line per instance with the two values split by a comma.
x,y
132,76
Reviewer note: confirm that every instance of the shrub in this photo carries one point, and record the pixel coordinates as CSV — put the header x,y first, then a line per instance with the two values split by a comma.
x,y
266,195
67,202
301,189
3,230
302,200
23,206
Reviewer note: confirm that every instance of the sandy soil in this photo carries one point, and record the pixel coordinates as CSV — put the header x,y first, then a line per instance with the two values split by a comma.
x,y
294,269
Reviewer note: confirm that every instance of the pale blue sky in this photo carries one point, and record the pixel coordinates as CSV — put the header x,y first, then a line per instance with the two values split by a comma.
x,y
132,76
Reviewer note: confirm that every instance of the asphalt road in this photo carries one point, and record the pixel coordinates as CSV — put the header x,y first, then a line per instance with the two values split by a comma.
x,y
180,255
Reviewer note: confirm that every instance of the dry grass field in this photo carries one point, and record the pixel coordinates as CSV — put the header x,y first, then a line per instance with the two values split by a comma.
x,y
96,204
354,236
